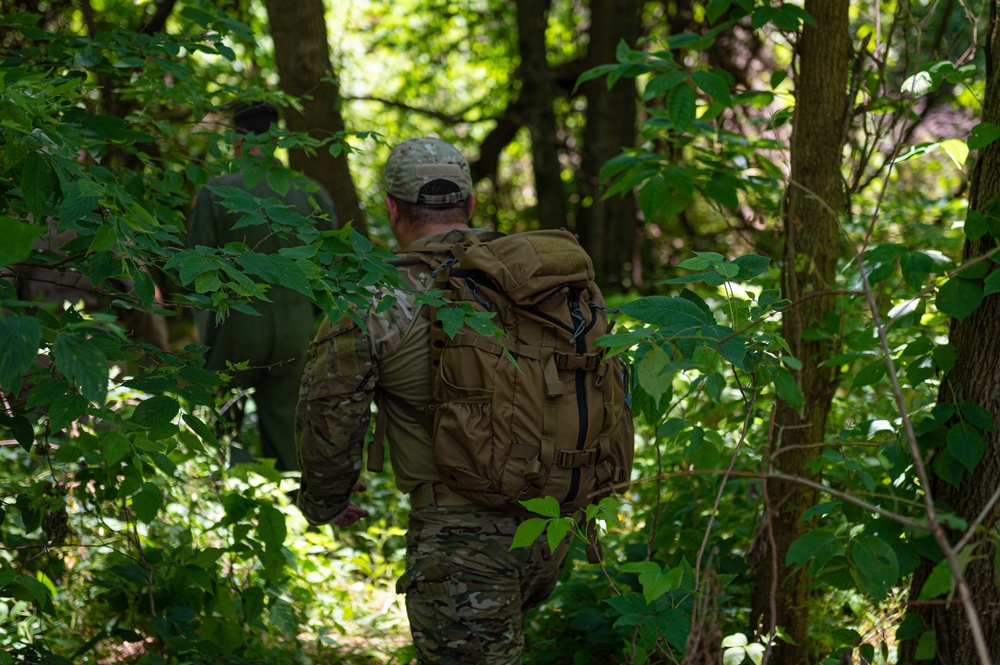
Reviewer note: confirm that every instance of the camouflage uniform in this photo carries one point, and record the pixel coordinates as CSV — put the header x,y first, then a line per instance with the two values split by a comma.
x,y
466,591
274,343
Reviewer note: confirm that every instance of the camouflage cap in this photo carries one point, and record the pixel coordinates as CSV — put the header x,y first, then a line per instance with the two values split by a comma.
x,y
416,162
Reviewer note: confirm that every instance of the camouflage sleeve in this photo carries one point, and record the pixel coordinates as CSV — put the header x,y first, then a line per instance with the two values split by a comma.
x,y
332,418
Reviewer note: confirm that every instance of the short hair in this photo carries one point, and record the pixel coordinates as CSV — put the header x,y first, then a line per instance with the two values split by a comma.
x,y
254,118
420,214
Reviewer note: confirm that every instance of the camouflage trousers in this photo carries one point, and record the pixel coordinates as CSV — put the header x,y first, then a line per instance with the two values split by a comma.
x,y
466,590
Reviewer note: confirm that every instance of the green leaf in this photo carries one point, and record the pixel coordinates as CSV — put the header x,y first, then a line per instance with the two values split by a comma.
x,y
966,444
528,532
992,283
959,297
557,531
870,374
671,313
290,274
65,409
18,238
654,373
87,57
21,335
681,107
938,583
74,208
818,544
713,85
271,528
84,364
752,265
545,506
104,239
983,135
147,502
716,8
875,565
277,179
787,389
115,446
661,83
452,318
926,646
38,185
653,196
723,189
155,411
945,357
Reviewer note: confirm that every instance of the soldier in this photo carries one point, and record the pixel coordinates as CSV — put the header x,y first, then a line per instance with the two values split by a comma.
x,y
466,591
274,343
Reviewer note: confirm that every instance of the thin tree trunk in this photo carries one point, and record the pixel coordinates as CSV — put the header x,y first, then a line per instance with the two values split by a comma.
x,y
607,228
974,378
814,200
302,52
537,101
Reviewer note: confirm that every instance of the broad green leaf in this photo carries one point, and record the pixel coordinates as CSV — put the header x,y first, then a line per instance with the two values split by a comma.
x,y
920,84
664,82
545,506
957,150
653,196
733,655
155,411
65,409
975,225
926,646
147,502
681,107
875,565
452,318
654,374
87,57
21,335
528,532
18,238
673,313
966,445
945,357
818,544
38,184
277,179
74,208
959,297
983,135
82,362
557,531
290,274
787,389
938,583
751,265
992,283
115,446
716,8
713,85
271,528
870,374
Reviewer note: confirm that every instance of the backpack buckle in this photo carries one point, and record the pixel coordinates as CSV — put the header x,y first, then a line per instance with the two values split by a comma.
x,y
572,459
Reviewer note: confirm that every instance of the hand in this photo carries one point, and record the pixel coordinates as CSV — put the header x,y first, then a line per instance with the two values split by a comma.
x,y
352,515
354,511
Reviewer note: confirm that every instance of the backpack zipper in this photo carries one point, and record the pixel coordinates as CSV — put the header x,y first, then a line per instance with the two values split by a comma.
x,y
579,337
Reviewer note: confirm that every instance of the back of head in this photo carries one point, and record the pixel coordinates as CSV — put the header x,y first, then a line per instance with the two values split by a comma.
x,y
254,118
430,181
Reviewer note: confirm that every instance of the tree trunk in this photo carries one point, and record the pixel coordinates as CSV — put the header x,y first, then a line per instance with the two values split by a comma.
x,y
608,229
298,28
975,378
537,101
814,200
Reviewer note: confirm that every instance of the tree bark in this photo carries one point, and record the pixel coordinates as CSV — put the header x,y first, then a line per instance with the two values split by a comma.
x,y
975,378
812,236
302,52
608,228
537,102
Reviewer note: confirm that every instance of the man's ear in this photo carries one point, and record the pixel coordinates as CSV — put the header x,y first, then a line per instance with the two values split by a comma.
x,y
471,203
394,219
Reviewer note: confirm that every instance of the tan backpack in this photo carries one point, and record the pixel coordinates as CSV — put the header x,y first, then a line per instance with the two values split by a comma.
x,y
556,421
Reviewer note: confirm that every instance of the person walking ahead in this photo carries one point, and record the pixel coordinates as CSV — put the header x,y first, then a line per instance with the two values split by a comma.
x,y
466,590
273,343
